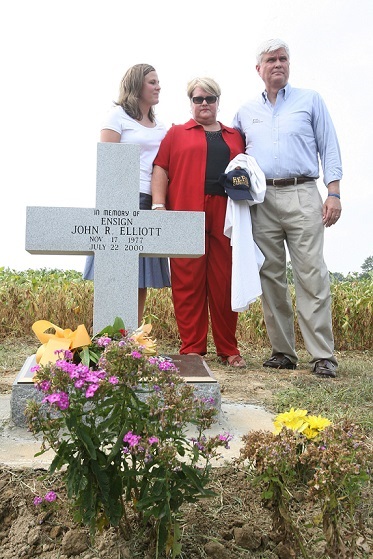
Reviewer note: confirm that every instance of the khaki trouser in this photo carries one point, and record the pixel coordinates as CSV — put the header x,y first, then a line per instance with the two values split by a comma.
x,y
293,215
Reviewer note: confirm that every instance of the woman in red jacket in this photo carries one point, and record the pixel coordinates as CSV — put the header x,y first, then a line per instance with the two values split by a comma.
x,y
186,171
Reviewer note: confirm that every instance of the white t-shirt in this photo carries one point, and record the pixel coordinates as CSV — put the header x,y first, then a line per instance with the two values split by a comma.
x,y
132,132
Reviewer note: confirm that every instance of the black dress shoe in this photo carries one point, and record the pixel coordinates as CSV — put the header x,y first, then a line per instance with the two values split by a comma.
x,y
279,361
324,368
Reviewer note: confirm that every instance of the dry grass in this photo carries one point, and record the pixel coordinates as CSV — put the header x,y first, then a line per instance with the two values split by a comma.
x,y
65,299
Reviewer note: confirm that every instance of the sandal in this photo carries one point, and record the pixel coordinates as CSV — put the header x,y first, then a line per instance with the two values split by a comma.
x,y
235,361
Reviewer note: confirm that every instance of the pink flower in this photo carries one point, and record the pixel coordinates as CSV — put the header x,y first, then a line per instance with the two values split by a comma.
x,y
103,341
79,383
166,366
44,385
63,403
113,380
52,398
50,496
90,392
153,440
38,501
131,439
226,438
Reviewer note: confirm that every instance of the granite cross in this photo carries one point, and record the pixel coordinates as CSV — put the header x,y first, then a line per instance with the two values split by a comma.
x,y
116,232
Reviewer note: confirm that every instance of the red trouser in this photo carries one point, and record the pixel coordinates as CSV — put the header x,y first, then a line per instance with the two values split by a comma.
x,y
203,283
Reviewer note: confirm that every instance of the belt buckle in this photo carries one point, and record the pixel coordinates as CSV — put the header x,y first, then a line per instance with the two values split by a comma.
x,y
274,181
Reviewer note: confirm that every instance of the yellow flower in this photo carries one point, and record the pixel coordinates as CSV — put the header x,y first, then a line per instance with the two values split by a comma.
x,y
293,419
310,433
315,425
141,337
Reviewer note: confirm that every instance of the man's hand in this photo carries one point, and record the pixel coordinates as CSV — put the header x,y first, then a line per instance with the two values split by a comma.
x,y
331,211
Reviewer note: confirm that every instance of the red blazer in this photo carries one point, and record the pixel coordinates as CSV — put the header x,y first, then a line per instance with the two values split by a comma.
x,y
182,154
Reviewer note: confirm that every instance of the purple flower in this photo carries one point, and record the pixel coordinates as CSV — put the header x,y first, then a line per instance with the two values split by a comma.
x,y
65,366
205,400
131,439
44,385
166,366
136,354
79,383
51,398
38,501
153,440
90,392
225,438
113,380
92,377
50,496
103,341
61,399
58,351
63,403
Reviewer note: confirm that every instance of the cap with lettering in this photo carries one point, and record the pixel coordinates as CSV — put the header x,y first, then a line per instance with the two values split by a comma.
x,y
236,184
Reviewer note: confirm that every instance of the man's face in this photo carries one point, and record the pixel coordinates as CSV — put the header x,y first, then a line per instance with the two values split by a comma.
x,y
274,69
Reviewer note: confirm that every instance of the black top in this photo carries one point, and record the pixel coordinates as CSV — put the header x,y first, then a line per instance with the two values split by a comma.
x,y
218,155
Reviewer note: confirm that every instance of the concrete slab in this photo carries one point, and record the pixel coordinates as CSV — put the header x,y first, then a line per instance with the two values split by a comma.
x,y
18,446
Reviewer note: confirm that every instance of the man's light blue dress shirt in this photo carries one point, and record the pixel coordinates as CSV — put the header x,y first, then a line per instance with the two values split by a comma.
x,y
288,138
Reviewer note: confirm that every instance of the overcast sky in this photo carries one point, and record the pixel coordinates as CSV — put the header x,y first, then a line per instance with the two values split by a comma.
x,y
62,62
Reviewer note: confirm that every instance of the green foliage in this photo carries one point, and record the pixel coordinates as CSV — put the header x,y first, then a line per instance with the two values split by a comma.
x,y
118,431
367,265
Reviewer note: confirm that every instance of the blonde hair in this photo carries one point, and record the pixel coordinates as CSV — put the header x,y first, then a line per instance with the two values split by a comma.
x,y
208,84
130,91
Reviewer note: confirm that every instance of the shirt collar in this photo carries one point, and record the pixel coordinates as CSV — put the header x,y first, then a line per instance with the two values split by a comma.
x,y
285,92
194,124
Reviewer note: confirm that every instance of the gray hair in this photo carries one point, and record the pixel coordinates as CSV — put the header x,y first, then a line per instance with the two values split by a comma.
x,y
270,46
208,84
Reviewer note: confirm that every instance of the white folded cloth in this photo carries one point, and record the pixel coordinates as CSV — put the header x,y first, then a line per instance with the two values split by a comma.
x,y
247,258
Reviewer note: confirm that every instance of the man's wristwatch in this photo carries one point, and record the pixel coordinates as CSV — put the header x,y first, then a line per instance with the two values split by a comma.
x,y
155,206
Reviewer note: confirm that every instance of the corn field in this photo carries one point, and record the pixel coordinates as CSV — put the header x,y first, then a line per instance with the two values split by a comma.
x,y
66,300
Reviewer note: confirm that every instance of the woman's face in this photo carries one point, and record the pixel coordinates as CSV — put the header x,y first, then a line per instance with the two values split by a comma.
x,y
205,112
150,89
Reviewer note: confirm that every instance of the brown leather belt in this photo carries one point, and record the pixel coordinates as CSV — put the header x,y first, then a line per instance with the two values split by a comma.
x,y
288,182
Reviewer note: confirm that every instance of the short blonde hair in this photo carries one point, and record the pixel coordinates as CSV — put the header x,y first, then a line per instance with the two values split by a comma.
x,y
208,84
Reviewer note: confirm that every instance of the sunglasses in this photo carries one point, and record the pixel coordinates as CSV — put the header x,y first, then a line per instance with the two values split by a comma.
x,y
210,99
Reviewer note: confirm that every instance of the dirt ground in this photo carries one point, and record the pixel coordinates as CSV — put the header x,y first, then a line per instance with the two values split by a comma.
x,y
233,525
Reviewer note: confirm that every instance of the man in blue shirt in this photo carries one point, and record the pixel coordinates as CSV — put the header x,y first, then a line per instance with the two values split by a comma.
x,y
288,131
